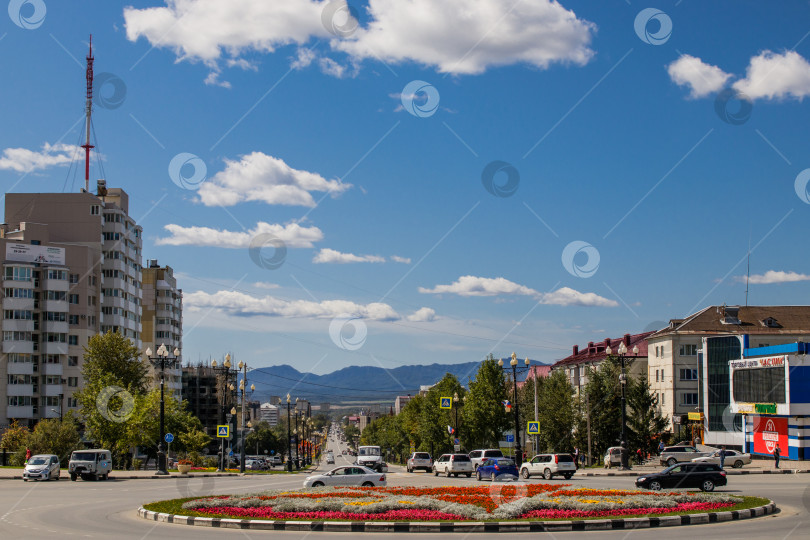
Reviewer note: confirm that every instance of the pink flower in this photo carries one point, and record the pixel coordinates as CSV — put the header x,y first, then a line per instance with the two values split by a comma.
x,y
391,515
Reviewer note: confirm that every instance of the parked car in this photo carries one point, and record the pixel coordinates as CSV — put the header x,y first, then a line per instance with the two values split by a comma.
x,y
419,460
42,467
677,454
352,475
684,475
496,468
330,459
454,464
549,466
613,457
479,456
90,464
733,458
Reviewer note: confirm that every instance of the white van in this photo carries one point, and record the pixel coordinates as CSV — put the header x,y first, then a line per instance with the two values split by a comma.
x,y
371,457
92,464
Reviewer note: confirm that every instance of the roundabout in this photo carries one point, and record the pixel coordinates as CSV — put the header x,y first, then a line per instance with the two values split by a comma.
x,y
500,507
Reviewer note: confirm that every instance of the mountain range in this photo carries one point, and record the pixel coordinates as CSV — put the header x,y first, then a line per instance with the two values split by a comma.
x,y
353,384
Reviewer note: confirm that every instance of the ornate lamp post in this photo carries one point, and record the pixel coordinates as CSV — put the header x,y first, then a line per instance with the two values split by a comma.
x,y
622,350
243,367
514,364
289,437
160,361
226,388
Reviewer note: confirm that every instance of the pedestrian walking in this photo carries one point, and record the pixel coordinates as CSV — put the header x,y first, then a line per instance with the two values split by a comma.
x,y
661,447
27,454
639,456
722,454
576,456
776,453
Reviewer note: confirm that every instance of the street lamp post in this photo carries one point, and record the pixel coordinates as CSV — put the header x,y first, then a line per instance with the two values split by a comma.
x,y
297,438
289,437
160,360
243,367
226,387
622,350
455,411
514,363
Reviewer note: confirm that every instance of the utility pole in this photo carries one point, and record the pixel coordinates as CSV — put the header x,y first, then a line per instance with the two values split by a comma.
x,y
536,437
588,420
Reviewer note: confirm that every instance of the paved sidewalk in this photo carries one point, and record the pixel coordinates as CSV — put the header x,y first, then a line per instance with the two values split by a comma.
x,y
16,474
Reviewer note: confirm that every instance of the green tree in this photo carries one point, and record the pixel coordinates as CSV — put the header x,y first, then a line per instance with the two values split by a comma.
x,y
143,429
484,417
113,353
264,438
433,420
14,441
644,417
602,396
556,414
54,436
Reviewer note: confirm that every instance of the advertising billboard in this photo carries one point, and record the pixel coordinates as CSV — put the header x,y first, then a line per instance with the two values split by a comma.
x,y
768,432
34,254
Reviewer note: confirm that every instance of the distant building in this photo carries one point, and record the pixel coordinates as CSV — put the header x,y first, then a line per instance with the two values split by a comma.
x,y
162,320
324,408
269,413
400,403
535,372
209,399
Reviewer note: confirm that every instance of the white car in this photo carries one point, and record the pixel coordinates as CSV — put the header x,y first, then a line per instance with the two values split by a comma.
x,y
42,467
549,466
454,464
419,460
477,457
733,458
352,475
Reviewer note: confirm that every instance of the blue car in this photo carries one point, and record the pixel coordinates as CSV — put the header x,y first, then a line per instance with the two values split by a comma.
x,y
493,468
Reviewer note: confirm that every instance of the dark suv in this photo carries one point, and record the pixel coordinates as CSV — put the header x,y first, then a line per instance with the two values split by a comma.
x,y
684,475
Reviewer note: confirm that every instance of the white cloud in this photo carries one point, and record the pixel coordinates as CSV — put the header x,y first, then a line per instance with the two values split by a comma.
x,y
304,58
25,161
292,234
424,314
776,76
327,255
238,303
774,276
265,285
701,78
259,177
479,286
460,39
403,260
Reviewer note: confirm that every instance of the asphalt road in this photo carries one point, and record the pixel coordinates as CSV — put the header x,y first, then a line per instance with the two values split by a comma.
x,y
104,510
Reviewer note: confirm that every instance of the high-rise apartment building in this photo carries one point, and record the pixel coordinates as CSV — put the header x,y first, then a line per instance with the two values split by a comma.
x,y
162,321
71,269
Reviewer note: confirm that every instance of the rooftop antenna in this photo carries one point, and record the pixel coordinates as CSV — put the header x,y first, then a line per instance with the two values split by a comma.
x,y
748,272
88,111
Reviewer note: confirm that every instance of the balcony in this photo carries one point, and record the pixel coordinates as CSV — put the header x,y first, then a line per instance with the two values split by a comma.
x,y
25,411
51,412
52,389
54,305
54,348
20,368
18,325
51,369
58,327
55,284
18,347
20,390
18,303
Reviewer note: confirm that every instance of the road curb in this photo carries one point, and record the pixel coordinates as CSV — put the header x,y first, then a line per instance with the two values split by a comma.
x,y
729,472
463,526
133,477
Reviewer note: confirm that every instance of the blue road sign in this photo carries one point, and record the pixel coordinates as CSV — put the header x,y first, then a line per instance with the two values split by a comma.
x,y
230,453
272,452
456,441
445,403
223,432
510,438
533,428
168,438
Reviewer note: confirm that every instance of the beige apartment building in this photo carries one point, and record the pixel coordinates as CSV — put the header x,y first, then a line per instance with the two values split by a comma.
x,y
71,269
686,383
162,321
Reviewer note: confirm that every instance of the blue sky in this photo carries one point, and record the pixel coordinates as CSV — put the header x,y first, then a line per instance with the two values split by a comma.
x,y
350,152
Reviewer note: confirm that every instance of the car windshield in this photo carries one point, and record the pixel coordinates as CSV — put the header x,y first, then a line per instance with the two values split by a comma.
x,y
37,461
83,456
370,451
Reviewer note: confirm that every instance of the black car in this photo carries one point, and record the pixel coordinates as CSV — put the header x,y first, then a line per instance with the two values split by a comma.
x,y
684,475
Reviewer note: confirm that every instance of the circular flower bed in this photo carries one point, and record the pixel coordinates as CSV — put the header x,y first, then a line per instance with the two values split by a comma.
x,y
479,503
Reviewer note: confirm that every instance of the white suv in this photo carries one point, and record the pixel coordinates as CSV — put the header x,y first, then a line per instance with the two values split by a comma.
x,y
549,465
479,456
454,464
419,460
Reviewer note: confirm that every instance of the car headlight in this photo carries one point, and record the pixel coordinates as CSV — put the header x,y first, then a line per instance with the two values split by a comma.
x,y
642,479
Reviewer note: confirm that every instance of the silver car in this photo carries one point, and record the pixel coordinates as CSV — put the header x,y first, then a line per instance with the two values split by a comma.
x,y
678,454
419,460
353,475
42,467
733,458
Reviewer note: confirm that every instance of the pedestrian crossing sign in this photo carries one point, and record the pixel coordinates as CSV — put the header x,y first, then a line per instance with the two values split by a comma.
x,y
223,432
533,428
445,403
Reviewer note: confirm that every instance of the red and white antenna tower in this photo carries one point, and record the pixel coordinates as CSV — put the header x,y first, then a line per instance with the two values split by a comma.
x,y
89,110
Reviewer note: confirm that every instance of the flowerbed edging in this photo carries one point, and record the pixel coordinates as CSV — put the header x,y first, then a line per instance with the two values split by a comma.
x,y
464,526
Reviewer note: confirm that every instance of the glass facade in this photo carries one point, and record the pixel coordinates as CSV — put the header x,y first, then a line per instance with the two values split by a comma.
x,y
719,351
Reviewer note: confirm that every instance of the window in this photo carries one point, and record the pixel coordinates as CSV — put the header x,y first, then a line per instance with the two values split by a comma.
x,y
112,236
73,319
58,316
53,337
72,402
53,379
57,274
16,336
761,385
73,340
19,401
662,351
73,360
688,350
688,374
73,299
19,358
656,352
74,278
91,300
18,273
95,210
52,358
52,401
663,395
656,375
73,382
18,293
55,295
19,379
690,398
17,314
